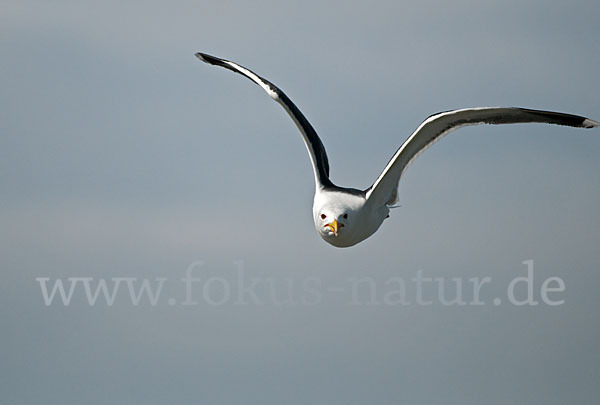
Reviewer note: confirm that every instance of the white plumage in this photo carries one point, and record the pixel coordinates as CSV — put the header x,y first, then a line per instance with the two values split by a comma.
x,y
344,216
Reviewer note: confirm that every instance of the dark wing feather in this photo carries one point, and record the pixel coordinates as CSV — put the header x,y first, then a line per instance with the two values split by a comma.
x,y
313,143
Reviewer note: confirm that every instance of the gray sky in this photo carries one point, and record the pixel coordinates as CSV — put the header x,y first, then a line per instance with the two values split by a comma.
x,y
122,155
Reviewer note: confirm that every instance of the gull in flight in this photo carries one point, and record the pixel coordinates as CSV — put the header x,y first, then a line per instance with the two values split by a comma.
x,y
346,216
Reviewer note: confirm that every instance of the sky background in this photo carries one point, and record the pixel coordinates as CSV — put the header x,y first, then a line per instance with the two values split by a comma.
x,y
122,155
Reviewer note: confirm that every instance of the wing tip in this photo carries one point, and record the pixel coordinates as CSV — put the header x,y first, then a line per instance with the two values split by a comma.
x,y
207,58
559,118
588,123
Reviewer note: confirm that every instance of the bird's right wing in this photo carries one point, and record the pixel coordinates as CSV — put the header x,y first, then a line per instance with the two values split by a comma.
x,y
385,188
316,150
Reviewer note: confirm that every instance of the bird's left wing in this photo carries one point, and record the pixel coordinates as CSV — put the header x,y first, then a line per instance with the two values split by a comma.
x,y
385,188
316,150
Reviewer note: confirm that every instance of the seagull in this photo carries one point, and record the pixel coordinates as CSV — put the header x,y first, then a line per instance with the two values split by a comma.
x,y
345,216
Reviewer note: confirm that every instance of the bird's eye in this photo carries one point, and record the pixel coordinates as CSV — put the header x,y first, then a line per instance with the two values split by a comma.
x,y
345,216
323,216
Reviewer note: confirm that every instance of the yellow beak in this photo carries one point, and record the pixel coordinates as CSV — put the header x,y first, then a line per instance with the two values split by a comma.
x,y
333,226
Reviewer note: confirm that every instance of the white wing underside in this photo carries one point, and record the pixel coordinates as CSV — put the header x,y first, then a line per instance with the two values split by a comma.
x,y
434,128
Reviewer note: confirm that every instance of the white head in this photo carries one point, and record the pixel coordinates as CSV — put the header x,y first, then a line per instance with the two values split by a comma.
x,y
343,218
338,217
334,224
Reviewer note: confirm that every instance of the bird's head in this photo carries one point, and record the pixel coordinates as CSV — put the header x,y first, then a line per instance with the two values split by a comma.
x,y
339,217
331,224
334,224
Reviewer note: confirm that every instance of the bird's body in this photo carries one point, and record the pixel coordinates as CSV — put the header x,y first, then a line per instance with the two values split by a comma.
x,y
344,216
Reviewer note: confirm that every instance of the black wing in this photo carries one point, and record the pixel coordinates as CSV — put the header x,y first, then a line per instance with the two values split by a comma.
x,y
313,143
